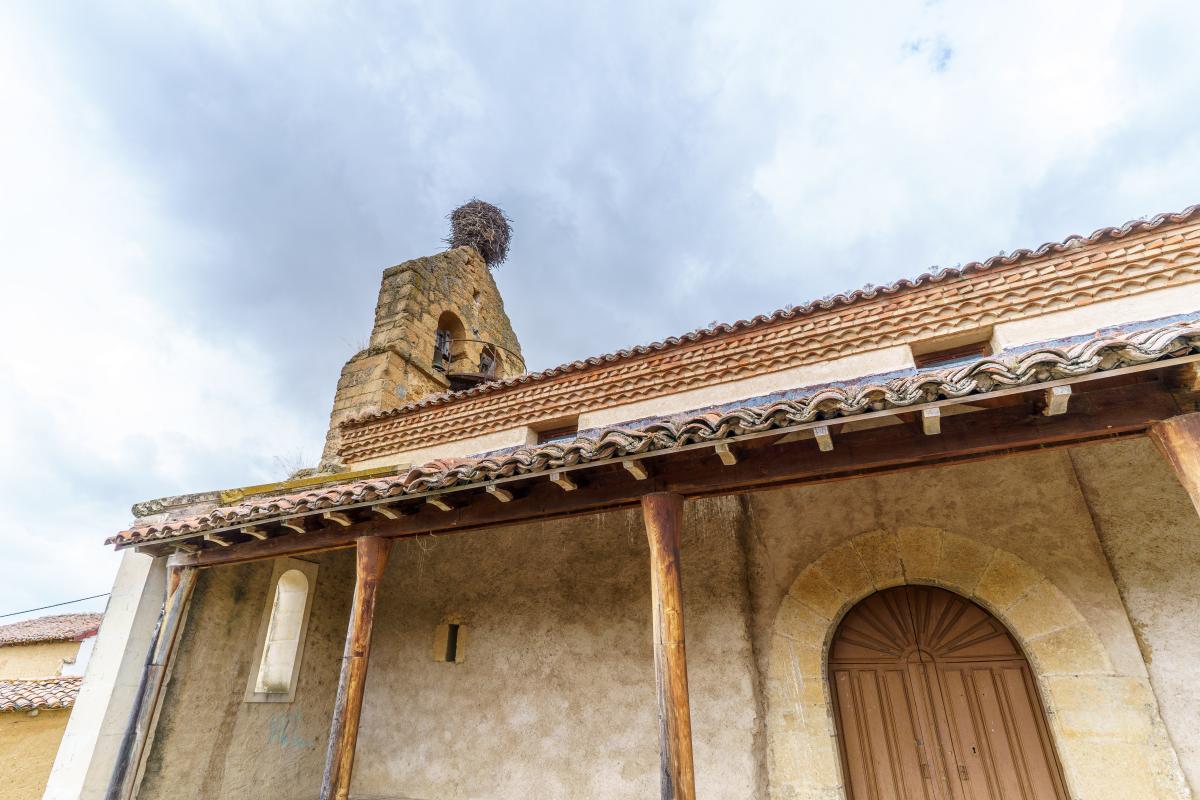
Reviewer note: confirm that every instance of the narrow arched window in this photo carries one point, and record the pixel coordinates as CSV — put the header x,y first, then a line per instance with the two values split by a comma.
x,y
282,636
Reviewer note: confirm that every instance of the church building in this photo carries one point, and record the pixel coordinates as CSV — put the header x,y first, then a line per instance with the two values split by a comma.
x,y
936,539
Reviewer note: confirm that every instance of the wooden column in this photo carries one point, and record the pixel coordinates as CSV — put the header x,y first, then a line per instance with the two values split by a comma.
x,y
662,512
180,583
343,730
1178,439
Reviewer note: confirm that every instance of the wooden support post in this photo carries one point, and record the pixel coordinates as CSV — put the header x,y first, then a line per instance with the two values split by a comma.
x,y
1178,439
132,753
662,512
343,730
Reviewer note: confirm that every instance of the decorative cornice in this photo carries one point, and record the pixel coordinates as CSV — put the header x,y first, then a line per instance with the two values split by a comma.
x,y
1137,257
1035,366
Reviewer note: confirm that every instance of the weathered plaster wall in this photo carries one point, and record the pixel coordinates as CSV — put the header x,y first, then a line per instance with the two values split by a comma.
x,y
556,696
1016,535
27,747
1151,534
41,660
210,741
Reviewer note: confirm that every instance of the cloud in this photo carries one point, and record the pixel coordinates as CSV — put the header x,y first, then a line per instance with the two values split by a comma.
x,y
200,197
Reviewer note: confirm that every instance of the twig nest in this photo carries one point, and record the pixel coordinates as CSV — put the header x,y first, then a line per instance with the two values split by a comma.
x,y
482,226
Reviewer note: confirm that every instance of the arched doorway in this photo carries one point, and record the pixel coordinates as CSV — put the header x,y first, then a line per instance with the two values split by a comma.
x,y
934,700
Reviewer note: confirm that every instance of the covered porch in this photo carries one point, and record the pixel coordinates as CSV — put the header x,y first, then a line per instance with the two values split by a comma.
x,y
569,588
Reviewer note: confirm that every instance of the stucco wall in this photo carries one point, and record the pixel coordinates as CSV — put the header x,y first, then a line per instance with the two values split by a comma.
x,y
210,741
556,696
1152,536
27,747
41,660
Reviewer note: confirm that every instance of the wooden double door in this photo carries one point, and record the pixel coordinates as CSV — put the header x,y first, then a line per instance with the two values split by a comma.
x,y
934,700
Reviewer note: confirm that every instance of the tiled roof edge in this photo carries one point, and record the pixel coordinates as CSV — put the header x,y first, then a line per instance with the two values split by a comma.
x,y
983,375
37,694
868,292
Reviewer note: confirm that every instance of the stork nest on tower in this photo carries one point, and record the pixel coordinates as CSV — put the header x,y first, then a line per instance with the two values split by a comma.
x,y
482,226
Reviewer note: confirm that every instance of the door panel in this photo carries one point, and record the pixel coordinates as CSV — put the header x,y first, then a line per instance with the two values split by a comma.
x,y
934,700
882,747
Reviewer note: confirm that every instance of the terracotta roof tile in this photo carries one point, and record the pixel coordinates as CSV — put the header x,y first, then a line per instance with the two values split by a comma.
x,y
57,628
868,292
39,693
1029,365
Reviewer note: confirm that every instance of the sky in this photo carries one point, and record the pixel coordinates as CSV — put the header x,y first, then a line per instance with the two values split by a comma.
x,y
197,198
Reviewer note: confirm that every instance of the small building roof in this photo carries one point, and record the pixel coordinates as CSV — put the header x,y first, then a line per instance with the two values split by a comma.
x,y
36,694
56,628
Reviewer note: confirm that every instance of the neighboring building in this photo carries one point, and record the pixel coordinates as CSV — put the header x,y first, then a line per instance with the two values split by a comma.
x,y
935,539
41,667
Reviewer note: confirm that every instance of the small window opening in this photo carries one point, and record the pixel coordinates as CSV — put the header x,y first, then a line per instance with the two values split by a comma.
x,y
947,350
449,641
559,432
938,358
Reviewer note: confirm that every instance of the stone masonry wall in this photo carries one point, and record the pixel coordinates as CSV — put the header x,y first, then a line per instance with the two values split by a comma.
x,y
397,365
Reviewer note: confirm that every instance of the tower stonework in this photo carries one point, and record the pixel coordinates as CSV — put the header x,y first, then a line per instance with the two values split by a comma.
x,y
439,325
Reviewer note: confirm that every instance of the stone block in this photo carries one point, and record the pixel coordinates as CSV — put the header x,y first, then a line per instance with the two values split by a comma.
x,y
801,624
1102,707
813,590
843,569
1005,580
1074,650
1114,771
963,562
920,552
880,554
1042,609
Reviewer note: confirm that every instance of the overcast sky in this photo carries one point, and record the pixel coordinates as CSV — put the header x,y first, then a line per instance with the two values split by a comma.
x,y
196,203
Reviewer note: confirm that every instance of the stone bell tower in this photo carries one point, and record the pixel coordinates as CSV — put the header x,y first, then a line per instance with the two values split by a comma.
x,y
439,326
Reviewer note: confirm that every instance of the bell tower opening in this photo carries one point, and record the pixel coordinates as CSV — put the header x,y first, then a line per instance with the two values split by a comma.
x,y
440,326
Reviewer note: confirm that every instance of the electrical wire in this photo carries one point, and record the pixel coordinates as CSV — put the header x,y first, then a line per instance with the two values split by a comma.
x,y
53,605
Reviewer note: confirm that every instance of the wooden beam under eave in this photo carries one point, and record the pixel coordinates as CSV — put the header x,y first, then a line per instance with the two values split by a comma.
x,y
387,512
217,539
637,469
338,517
254,533
294,524
725,453
1057,399
824,440
931,421
438,503
563,481
1101,415
503,495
